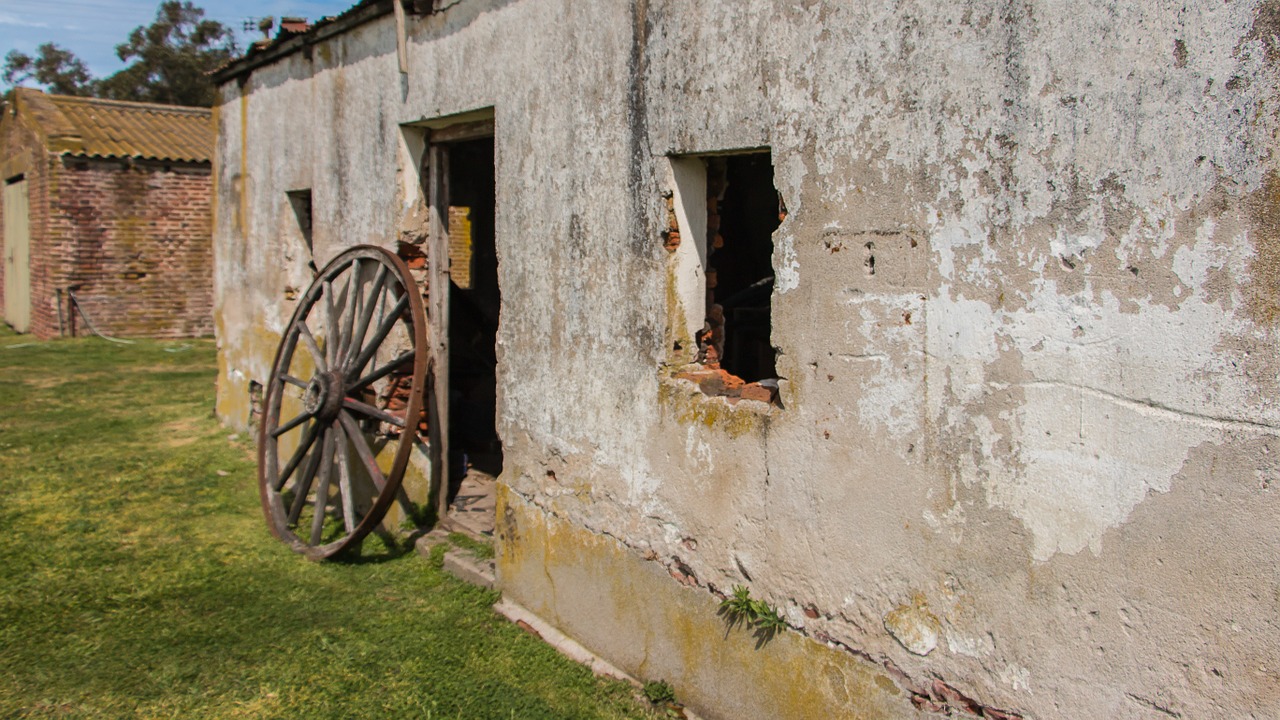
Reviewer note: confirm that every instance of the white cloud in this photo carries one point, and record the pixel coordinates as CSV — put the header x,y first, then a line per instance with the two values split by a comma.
x,y
7,19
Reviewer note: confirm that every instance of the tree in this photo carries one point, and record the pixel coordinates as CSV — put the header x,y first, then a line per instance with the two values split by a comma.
x,y
53,67
171,58
168,61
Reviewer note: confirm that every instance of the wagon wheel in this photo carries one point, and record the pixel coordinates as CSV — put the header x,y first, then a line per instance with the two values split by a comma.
x,y
351,397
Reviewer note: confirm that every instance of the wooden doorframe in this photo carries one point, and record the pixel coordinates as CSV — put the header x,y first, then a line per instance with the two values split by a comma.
x,y
436,172
17,254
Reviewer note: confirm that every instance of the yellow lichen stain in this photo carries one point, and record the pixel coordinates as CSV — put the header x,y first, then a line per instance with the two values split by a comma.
x,y
232,402
241,178
414,485
888,685
508,540
650,626
678,322
690,406
216,171
1263,290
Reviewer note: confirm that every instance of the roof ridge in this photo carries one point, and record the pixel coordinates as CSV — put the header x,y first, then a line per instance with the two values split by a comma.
x,y
131,105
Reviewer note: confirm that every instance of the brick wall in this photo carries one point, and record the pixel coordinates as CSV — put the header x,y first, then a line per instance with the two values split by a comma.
x,y
133,239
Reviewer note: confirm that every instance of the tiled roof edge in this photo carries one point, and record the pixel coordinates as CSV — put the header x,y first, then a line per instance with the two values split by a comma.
x,y
324,28
131,105
149,158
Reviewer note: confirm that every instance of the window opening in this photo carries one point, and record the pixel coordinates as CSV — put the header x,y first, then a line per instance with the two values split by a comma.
x,y
743,211
728,207
300,200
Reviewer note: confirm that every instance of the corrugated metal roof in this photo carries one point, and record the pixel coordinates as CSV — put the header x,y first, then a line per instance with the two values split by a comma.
x,y
92,127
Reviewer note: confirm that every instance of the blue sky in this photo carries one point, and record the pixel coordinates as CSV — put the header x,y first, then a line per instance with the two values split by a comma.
x,y
92,28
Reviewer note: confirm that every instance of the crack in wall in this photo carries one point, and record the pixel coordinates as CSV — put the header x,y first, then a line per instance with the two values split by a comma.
x,y
1209,421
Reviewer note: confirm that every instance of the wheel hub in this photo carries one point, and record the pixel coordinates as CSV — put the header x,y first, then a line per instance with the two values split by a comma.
x,y
323,397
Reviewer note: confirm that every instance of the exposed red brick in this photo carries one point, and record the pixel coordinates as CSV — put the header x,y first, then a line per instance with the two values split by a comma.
x,y
756,391
528,628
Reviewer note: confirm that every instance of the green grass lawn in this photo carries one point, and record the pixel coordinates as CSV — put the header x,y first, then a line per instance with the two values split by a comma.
x,y
138,578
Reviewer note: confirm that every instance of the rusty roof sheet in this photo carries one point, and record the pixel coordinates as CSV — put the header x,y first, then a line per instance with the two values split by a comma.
x,y
92,127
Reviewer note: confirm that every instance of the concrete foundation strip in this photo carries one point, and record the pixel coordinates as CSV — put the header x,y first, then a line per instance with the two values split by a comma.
x,y
465,567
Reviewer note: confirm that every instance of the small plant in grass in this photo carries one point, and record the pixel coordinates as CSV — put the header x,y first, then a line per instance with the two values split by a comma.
x,y
659,692
663,697
742,609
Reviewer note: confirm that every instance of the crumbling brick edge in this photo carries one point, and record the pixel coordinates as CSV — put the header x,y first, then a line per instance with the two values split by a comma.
x,y
932,694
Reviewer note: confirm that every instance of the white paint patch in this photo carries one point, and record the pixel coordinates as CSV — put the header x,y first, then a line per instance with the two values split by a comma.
x,y
1066,245
1192,265
699,452
891,398
1112,402
1085,459
788,269
967,646
1016,677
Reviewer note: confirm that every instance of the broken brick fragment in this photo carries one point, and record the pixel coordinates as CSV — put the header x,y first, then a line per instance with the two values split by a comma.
x,y
922,702
671,240
756,391
955,698
412,255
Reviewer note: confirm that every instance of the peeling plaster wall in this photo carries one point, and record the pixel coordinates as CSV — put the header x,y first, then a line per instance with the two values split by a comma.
x,y
1038,445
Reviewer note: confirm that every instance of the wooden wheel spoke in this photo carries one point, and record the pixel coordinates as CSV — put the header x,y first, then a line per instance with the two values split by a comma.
x,y
349,310
305,333
399,361
308,439
293,381
303,486
322,492
366,312
301,418
363,450
344,480
331,340
384,328
371,411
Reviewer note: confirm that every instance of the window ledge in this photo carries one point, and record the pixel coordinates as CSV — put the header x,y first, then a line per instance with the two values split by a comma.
x,y
715,382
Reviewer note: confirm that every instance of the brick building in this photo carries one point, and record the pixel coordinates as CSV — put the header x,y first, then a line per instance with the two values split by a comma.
x,y
107,202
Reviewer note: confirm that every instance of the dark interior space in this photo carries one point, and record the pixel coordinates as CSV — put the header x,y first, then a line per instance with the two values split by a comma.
x,y
474,303
743,210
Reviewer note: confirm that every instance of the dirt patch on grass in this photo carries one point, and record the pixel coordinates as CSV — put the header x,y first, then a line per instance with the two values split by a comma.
x,y
179,433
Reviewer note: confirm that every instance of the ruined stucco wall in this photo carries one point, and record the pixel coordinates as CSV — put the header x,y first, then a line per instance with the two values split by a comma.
x,y
1028,461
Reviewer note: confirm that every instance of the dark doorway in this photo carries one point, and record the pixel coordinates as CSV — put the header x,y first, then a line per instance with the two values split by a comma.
x,y
475,450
